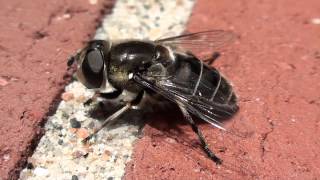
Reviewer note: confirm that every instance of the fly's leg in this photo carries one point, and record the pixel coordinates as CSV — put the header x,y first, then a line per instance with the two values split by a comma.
x,y
195,129
210,60
118,113
213,58
108,120
110,95
92,99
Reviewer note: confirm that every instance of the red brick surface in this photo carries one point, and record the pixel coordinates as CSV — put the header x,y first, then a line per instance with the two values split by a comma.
x,y
274,67
36,39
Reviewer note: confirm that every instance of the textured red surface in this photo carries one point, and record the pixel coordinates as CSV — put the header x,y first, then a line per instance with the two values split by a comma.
x,y
275,69
36,39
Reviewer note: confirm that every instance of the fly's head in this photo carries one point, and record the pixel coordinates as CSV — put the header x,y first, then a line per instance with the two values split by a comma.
x,y
92,63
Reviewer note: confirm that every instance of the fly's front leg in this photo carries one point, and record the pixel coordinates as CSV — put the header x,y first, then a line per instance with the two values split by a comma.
x,y
213,58
195,129
108,120
92,99
110,95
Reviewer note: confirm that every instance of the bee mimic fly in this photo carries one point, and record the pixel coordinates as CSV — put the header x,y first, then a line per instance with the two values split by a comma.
x,y
131,69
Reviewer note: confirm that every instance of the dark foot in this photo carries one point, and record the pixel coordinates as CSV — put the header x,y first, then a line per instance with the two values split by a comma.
x,y
213,58
88,102
87,139
214,158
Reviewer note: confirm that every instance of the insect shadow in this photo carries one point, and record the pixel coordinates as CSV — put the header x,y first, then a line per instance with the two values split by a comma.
x,y
166,118
167,122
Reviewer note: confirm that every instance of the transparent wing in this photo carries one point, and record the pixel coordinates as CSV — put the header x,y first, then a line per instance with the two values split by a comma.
x,y
206,40
211,101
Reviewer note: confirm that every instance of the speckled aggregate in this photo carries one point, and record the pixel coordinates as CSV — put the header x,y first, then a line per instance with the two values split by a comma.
x,y
60,153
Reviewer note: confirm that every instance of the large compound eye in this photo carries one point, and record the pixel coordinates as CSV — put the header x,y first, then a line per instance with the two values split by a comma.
x,y
92,68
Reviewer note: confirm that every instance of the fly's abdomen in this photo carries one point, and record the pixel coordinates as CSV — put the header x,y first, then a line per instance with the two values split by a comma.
x,y
202,81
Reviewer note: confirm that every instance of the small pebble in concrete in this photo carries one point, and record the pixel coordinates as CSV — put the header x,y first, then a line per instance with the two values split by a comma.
x,y
67,96
74,123
82,133
74,177
38,171
60,141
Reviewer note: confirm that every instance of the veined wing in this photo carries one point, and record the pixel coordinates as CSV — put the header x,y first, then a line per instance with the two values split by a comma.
x,y
205,94
211,40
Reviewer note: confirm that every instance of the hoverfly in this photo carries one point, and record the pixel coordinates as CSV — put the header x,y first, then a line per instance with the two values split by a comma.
x,y
131,69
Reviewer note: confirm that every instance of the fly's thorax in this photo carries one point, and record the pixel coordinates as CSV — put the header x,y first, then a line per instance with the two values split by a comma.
x,y
127,58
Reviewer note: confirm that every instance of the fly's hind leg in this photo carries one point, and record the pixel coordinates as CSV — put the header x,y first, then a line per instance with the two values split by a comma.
x,y
209,61
213,58
195,129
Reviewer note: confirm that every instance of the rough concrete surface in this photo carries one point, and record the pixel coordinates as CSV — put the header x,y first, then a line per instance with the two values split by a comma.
x,y
36,39
274,67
